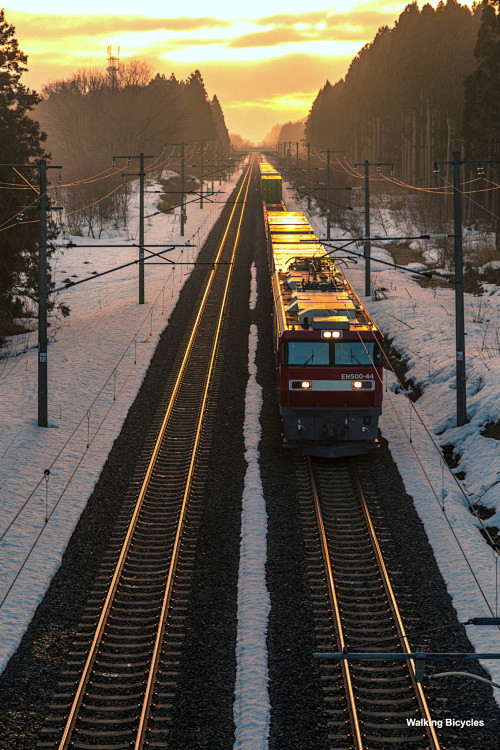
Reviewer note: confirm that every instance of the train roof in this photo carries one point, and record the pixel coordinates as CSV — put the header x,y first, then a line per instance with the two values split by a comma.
x,y
267,170
311,292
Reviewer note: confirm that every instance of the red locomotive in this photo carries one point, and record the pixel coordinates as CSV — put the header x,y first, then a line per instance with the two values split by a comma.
x,y
328,359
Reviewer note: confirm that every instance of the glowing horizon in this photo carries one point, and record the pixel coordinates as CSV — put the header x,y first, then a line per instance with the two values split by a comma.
x,y
265,68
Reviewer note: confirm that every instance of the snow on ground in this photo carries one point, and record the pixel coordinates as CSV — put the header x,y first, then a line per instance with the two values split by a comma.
x,y
97,359
102,351
251,705
421,324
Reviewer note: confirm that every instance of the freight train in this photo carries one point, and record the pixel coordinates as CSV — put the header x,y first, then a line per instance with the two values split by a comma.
x,y
328,357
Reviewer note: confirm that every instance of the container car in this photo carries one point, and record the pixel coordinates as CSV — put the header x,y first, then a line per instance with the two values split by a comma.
x,y
271,183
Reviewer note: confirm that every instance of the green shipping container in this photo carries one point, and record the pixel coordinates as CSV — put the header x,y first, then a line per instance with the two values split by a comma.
x,y
271,188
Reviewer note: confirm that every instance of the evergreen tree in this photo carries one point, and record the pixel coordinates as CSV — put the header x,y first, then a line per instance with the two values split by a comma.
x,y
482,89
402,98
481,116
199,123
20,143
222,134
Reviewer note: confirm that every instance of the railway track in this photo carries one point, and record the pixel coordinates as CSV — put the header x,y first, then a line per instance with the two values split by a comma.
x,y
119,684
370,705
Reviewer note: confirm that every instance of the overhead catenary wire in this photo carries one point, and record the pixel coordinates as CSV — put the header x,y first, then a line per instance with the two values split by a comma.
x,y
84,416
466,195
429,479
421,464
83,208
90,440
18,212
91,405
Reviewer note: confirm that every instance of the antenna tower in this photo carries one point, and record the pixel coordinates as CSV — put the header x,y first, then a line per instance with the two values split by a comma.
x,y
113,63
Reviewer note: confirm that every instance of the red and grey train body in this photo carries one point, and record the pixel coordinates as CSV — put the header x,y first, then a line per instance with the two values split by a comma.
x,y
328,359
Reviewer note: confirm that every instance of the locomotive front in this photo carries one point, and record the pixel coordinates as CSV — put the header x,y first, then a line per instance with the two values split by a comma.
x,y
328,357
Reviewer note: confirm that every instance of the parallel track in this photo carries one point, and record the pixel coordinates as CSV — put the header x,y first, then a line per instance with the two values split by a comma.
x,y
372,709
119,684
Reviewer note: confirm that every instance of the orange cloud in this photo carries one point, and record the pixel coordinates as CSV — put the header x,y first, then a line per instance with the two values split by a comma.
x,y
82,25
264,69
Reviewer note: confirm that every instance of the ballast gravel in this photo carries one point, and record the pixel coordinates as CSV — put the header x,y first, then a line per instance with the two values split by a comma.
x,y
202,716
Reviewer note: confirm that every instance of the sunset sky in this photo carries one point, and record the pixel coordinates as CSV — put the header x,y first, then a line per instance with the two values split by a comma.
x,y
264,60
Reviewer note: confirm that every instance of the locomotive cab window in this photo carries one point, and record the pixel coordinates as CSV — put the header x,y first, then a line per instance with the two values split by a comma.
x,y
357,353
306,353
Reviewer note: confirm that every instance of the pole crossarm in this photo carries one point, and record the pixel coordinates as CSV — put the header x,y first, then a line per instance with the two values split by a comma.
x,y
425,274
480,162
71,244
130,157
375,164
125,265
31,166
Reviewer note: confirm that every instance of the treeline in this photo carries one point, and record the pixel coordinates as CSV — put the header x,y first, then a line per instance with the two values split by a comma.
x,y
403,97
289,131
96,114
292,131
88,118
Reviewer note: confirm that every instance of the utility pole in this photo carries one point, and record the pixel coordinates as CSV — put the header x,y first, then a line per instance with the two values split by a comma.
x,y
43,378
212,149
183,207
141,228
367,231
367,240
202,146
43,207
141,174
459,283
459,294
309,174
328,208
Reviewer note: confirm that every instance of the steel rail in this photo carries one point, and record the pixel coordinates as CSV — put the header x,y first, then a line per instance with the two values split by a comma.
x,y
346,670
141,734
357,737
397,617
101,625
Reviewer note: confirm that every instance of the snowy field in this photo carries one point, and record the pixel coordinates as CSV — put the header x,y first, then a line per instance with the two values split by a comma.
x,y
421,324
97,359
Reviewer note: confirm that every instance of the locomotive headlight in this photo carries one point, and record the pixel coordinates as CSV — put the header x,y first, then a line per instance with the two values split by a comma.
x,y
357,384
331,334
305,384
